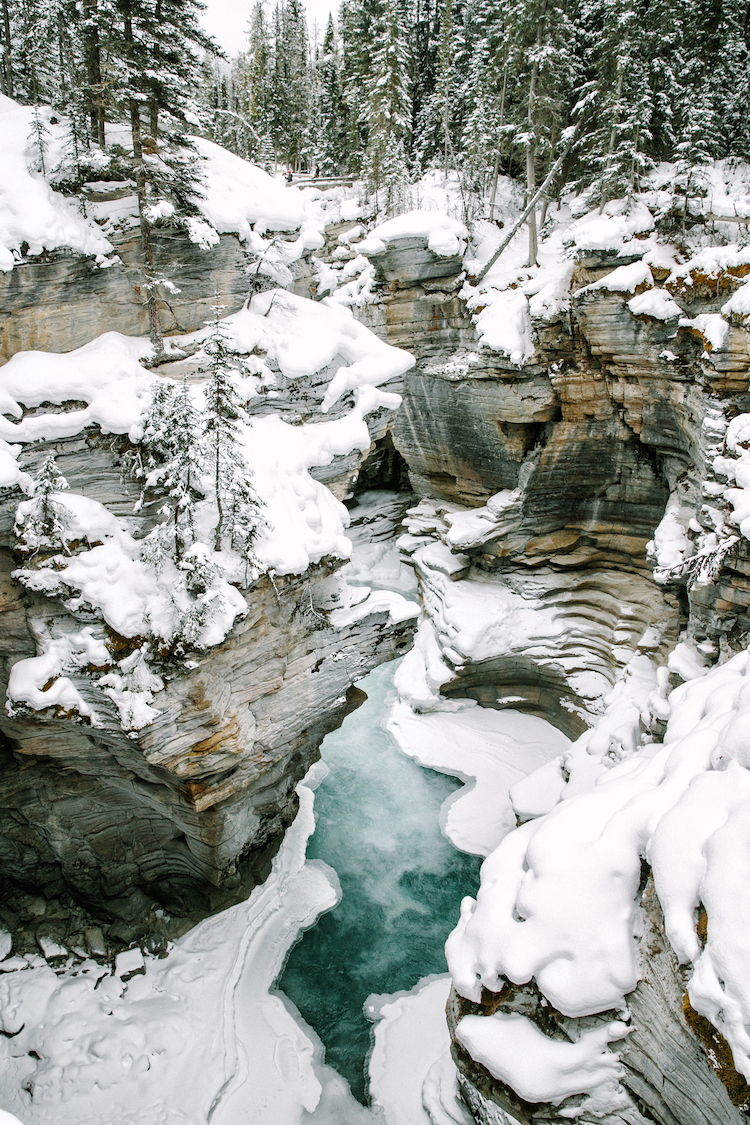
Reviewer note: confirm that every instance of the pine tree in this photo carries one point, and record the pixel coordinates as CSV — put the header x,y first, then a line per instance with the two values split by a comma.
x,y
39,136
543,66
332,105
237,503
486,91
173,460
7,85
358,26
621,138
258,78
44,520
159,73
388,109
730,81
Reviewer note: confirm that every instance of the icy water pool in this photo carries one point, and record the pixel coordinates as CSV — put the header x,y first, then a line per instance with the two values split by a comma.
x,y
402,882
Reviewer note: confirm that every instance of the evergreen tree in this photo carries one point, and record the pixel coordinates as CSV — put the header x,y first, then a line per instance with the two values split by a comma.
x,y
541,41
388,114
238,506
624,100
160,68
258,77
332,105
486,90
43,521
173,460
358,25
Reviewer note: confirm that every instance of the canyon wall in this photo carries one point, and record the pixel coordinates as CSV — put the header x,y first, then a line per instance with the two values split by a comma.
x,y
142,832
569,461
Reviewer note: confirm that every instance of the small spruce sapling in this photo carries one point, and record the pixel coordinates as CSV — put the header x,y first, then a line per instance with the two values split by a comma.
x,y
39,136
42,521
173,459
237,502
183,470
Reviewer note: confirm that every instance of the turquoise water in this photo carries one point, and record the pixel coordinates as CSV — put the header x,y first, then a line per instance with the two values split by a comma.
x,y
402,882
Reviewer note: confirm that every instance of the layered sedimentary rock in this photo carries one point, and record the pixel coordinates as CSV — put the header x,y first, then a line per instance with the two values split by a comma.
x,y
150,828
61,300
543,484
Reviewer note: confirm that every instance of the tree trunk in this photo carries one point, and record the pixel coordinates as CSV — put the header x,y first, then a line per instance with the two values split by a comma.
x,y
7,67
93,58
530,149
531,174
496,170
612,136
445,77
217,482
155,330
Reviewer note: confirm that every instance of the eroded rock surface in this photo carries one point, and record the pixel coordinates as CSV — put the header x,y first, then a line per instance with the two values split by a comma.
x,y
542,486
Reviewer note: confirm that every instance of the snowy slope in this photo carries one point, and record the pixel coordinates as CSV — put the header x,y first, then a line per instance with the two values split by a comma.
x,y
30,211
234,197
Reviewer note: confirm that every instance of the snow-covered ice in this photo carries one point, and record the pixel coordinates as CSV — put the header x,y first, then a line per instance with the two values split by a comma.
x,y
491,750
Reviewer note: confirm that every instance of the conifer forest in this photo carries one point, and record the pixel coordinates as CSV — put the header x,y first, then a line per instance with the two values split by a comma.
x,y
601,90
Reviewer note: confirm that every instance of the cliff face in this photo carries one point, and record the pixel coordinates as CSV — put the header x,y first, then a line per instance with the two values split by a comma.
x,y
567,463
59,301
183,813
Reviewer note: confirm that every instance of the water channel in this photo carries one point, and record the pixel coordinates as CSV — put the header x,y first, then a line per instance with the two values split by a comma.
x,y
401,881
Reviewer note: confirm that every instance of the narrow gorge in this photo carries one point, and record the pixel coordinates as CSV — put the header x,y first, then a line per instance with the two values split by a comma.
x,y
524,492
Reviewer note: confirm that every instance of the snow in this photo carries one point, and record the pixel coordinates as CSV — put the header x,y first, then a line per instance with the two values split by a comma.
x,y
238,195
234,196
610,229
303,521
739,303
201,1034
410,1036
129,1050
105,374
504,324
28,677
709,261
671,545
622,231
541,1069
473,527
623,279
735,466
111,577
491,750
558,900
659,304
394,604
477,618
711,326
30,211
307,335
445,236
